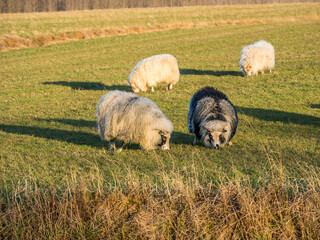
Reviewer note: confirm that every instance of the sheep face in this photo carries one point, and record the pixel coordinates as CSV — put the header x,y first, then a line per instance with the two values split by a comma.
x,y
135,89
216,134
164,143
158,139
247,70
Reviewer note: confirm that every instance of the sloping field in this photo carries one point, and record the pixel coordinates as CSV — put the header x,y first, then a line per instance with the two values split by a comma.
x,y
58,176
37,29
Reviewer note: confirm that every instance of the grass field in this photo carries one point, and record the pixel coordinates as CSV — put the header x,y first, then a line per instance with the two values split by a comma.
x,y
37,29
49,94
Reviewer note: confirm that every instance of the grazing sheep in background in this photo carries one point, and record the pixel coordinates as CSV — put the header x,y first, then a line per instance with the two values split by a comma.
x,y
153,70
212,118
126,117
256,58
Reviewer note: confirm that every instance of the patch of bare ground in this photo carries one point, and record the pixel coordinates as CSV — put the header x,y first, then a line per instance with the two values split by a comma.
x,y
10,42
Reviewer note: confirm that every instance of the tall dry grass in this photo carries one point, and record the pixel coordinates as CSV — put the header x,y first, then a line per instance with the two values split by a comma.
x,y
177,207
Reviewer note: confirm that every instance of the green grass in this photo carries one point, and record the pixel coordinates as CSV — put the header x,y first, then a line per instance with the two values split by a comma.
x,y
49,95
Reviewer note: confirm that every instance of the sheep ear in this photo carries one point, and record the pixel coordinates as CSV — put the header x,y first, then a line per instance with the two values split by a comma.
x,y
223,129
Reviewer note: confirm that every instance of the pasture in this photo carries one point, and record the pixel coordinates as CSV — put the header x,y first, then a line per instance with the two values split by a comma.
x,y
49,95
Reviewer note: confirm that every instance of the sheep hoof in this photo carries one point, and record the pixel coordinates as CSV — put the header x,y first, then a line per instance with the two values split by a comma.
x,y
194,141
229,143
152,89
112,146
119,150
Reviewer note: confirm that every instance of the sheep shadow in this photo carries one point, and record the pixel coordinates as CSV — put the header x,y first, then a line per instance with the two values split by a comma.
x,y
89,86
75,137
316,106
209,72
181,138
279,116
73,122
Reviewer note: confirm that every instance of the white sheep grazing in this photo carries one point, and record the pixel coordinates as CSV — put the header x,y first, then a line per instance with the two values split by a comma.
x,y
256,58
126,117
150,71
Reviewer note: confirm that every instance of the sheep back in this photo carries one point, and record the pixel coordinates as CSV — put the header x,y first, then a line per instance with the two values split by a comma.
x,y
207,106
157,69
127,117
259,56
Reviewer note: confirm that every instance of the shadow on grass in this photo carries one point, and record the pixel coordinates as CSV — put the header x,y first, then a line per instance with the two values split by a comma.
x,y
88,123
79,138
279,116
73,122
90,86
181,138
209,72
315,106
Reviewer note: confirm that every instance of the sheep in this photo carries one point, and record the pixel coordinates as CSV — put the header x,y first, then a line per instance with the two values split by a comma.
x,y
256,58
150,71
126,117
212,118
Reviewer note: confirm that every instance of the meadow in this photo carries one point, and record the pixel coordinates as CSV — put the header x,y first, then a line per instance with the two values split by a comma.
x,y
38,29
50,152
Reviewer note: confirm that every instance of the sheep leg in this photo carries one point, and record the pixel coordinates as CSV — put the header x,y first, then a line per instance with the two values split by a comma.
x,y
229,143
120,149
112,145
152,89
195,140
262,72
170,86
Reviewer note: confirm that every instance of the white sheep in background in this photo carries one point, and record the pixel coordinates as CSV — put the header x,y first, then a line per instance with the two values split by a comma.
x,y
126,117
256,58
150,71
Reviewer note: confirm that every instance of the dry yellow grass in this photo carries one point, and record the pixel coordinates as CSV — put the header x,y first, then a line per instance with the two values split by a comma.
x,y
38,29
178,208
